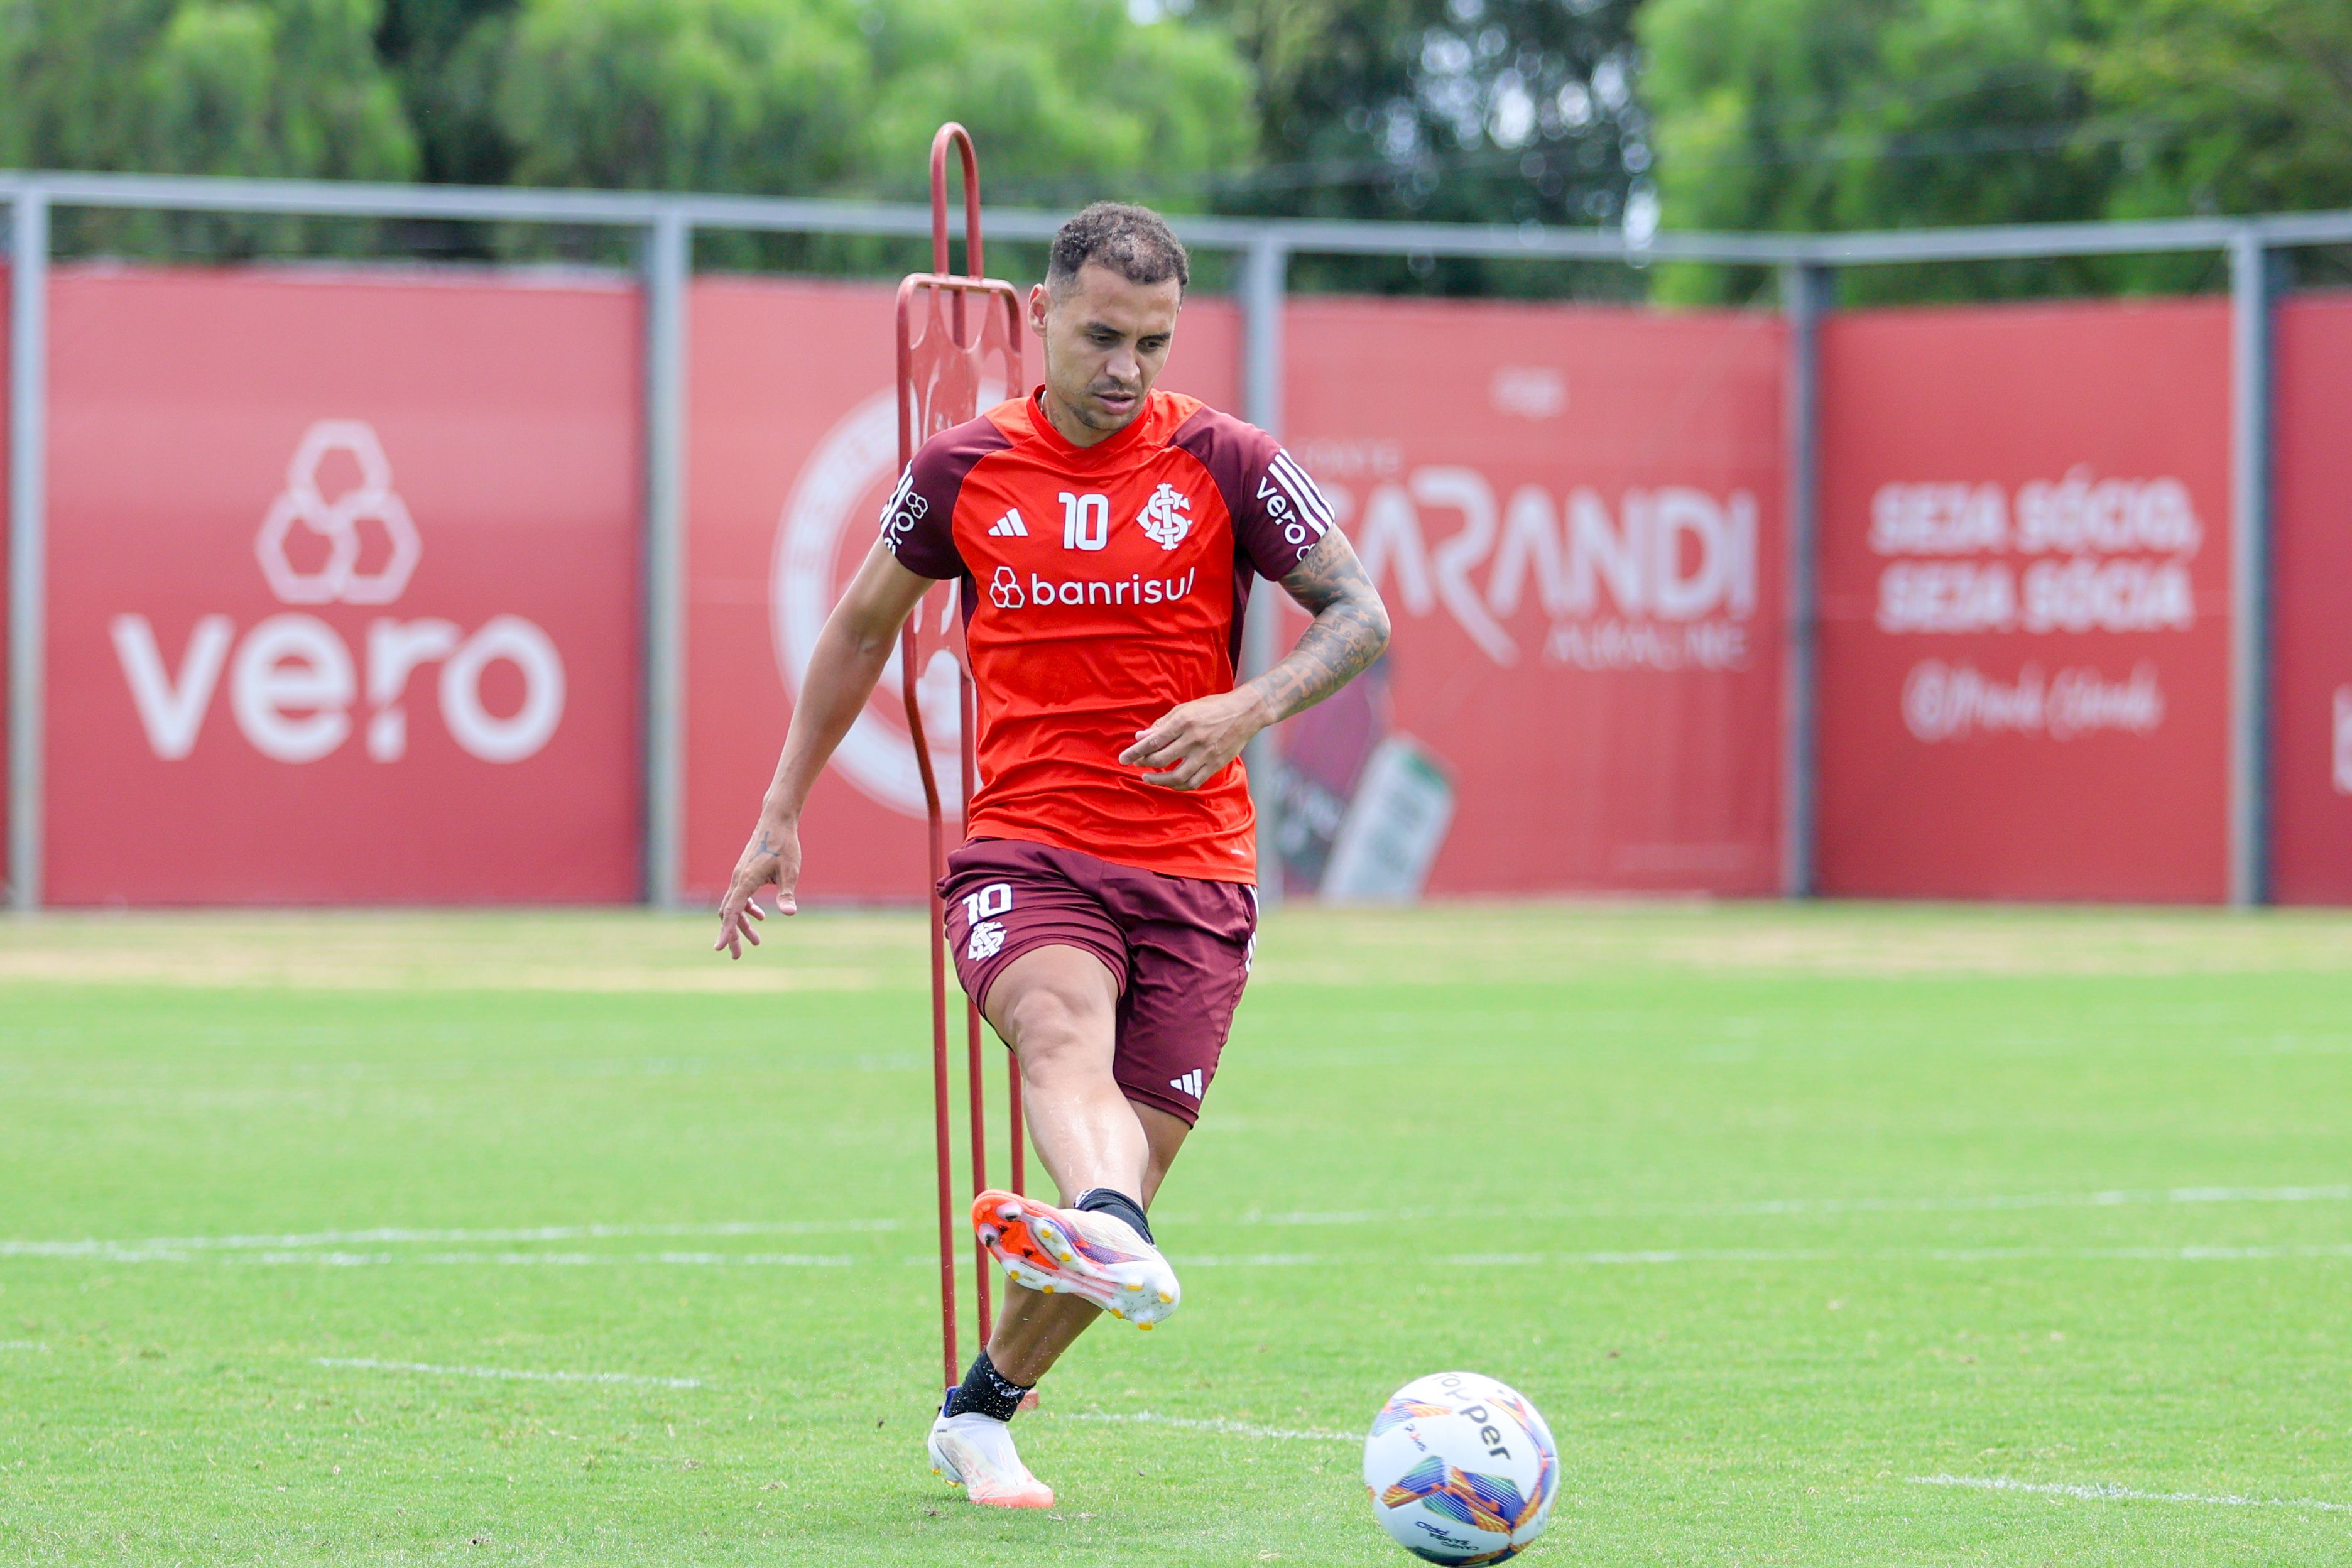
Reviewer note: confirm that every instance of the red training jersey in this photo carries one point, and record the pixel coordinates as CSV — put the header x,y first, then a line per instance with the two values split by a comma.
x,y
1102,586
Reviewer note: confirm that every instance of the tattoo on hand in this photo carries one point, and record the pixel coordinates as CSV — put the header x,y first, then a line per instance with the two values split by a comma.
x,y
1350,629
767,842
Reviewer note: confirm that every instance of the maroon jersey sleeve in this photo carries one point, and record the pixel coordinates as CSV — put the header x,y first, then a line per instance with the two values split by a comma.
x,y
1278,514
918,520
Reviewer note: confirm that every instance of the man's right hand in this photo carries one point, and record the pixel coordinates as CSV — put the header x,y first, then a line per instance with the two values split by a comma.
x,y
771,860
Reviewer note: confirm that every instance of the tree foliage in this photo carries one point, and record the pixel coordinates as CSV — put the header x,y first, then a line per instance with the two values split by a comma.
x,y
442,54
1470,110
2233,106
1826,114
1070,98
217,87
1771,114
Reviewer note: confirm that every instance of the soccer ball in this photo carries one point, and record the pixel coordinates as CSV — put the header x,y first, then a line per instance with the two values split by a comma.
x,y
1461,1469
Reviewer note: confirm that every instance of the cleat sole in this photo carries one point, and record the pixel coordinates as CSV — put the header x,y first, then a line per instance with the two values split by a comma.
x,y
1044,1250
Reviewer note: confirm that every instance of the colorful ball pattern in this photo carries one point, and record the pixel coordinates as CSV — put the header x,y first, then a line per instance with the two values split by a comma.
x,y
1461,1469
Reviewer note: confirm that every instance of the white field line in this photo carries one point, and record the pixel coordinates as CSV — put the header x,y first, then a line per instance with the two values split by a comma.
x,y
152,1248
531,1260
22,1346
1667,1256
394,1237
2114,1198
505,1373
2125,1494
1775,1255
1229,1428
2135,1254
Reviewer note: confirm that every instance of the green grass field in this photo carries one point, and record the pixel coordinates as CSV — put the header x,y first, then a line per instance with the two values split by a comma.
x,y
550,1238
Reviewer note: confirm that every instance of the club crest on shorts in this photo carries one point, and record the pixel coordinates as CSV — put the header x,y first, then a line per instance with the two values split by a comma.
x,y
982,908
1166,518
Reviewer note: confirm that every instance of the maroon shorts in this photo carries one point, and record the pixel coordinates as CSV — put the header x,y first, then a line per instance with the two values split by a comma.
x,y
1179,947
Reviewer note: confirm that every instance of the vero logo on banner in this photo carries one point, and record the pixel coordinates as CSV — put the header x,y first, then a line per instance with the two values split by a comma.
x,y
297,688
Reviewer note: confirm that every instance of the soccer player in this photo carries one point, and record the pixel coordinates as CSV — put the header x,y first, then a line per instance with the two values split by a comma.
x,y
1104,910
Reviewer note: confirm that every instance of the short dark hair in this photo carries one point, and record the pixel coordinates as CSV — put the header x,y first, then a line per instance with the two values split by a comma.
x,y
1134,242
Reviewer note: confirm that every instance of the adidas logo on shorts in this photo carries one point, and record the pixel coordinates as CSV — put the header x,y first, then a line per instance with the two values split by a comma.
x,y
1190,1084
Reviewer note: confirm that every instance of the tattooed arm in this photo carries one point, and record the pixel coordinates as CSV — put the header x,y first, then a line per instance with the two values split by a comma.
x,y
1349,628
1193,744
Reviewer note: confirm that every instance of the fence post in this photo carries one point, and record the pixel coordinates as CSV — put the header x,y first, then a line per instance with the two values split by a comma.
x,y
1265,266
2250,540
1805,293
28,381
668,264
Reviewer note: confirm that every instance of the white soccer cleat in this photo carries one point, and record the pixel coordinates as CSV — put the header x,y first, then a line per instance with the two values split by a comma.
x,y
1094,1257
975,1452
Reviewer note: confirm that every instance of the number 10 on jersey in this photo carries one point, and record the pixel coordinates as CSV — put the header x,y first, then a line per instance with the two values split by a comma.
x,y
1086,522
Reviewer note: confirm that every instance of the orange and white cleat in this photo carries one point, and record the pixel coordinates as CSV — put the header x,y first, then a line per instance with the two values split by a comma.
x,y
975,1452
1094,1257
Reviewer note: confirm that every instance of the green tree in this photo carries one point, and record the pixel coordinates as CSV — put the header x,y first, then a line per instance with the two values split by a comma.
x,y
727,95
217,87
2231,106
1068,101
1067,97
1840,114
443,55
1457,110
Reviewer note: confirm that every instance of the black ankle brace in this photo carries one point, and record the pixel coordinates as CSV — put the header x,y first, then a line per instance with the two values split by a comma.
x,y
984,1391
1105,1200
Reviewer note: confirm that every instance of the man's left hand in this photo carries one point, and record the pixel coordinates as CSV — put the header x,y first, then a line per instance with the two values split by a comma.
x,y
1193,744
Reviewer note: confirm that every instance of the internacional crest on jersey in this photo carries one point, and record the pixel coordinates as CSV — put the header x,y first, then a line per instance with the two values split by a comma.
x,y
1103,585
1167,517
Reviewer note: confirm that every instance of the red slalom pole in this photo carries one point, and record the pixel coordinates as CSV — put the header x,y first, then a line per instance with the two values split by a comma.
x,y
909,667
947,347
1018,1135
974,1082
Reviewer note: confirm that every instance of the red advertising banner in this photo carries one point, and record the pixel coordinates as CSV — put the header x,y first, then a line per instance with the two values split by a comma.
x,y
1576,517
7,316
2311,603
794,448
2024,597
343,588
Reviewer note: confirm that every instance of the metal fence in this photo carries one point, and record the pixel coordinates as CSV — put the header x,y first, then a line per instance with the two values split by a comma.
x,y
665,226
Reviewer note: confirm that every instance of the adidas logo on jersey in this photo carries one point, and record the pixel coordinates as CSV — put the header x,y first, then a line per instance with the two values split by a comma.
x,y
1190,1084
1009,526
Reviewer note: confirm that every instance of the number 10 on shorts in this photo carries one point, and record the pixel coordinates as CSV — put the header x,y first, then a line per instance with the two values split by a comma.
x,y
981,908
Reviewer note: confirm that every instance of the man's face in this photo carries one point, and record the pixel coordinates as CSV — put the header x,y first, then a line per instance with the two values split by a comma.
x,y
1106,339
